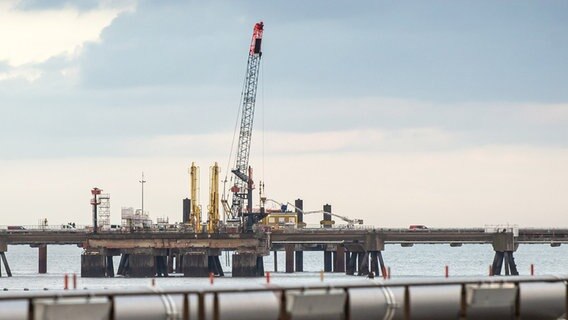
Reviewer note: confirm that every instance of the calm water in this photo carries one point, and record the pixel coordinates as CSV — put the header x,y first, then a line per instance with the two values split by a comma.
x,y
417,261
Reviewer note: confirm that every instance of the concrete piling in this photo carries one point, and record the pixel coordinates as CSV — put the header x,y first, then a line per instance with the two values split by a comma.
x,y
122,270
375,263
289,258
351,265
161,266
327,261
142,265
109,267
195,265
247,265
339,261
275,261
6,266
42,258
214,266
299,204
299,261
93,266
504,258
179,263
363,267
171,262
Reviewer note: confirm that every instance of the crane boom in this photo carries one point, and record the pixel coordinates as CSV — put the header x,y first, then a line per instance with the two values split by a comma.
x,y
241,170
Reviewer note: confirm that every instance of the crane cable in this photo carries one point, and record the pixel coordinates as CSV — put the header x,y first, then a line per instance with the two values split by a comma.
x,y
262,107
238,117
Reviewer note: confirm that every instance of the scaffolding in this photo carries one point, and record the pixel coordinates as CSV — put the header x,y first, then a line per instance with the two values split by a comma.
x,y
135,219
103,213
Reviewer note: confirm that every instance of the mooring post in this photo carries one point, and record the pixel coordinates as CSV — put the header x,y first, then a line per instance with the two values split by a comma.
x,y
42,258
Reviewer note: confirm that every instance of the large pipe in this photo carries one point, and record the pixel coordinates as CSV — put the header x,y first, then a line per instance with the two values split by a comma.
x,y
440,299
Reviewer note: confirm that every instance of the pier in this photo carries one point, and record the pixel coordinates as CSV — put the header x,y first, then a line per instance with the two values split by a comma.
x,y
354,251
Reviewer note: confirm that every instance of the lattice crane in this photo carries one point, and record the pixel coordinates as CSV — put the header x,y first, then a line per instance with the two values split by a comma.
x,y
242,189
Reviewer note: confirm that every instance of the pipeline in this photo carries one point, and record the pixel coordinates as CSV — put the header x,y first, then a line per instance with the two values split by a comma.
x,y
542,297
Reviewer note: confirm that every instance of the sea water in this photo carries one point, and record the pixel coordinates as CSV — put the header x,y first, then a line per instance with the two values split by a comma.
x,y
419,261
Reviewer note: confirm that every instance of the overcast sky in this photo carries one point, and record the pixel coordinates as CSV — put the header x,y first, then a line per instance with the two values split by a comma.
x,y
444,113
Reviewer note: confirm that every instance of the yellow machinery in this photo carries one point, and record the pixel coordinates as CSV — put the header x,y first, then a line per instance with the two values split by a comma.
x,y
278,220
213,215
195,216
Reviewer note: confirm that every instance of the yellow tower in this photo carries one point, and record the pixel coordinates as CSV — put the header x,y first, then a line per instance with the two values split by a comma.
x,y
213,216
195,216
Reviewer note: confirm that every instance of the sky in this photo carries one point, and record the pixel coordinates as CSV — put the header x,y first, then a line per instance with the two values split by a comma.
x,y
442,113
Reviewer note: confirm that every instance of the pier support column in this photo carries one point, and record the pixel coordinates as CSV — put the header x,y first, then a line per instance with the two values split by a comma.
x,y
179,263
93,266
260,266
289,258
506,258
123,265
327,261
504,246
42,258
351,263
299,204
299,261
142,265
3,249
161,266
375,263
339,263
214,266
382,264
275,261
195,265
109,267
171,262
363,269
247,265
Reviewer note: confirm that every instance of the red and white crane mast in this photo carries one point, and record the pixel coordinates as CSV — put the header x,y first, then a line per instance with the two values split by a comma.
x,y
242,189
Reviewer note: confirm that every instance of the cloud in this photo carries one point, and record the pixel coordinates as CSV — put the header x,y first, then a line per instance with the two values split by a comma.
x,y
546,114
27,74
31,37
